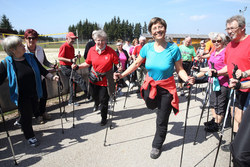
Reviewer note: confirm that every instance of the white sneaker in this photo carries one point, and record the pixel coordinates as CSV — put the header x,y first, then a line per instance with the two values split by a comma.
x,y
75,103
131,86
33,142
17,123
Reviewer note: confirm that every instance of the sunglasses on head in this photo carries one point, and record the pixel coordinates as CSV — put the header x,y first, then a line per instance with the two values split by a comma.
x,y
218,41
31,38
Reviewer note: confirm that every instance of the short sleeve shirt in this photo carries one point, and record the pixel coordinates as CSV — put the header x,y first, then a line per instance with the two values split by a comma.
x,y
238,54
160,65
66,51
102,62
187,52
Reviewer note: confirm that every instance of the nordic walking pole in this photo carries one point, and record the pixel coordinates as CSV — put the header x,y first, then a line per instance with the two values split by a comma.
x,y
202,111
8,136
185,126
77,43
127,93
223,126
59,84
111,114
130,80
73,96
234,98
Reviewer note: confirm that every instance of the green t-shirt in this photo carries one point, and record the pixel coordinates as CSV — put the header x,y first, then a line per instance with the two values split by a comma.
x,y
187,52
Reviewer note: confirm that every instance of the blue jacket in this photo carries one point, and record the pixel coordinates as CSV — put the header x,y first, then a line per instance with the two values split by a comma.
x,y
11,73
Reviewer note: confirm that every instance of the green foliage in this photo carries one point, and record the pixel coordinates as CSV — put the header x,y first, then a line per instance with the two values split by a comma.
x,y
5,23
115,29
84,29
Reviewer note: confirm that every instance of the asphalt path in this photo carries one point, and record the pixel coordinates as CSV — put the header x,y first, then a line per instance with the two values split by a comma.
x,y
128,143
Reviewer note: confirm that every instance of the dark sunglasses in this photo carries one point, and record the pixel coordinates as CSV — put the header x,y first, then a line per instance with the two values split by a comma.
x,y
31,38
218,41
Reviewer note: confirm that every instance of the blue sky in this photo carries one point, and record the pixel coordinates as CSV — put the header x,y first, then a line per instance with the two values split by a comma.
x,y
182,16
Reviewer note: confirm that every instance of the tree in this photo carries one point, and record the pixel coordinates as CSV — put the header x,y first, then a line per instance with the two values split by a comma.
x,y
145,28
21,32
137,30
5,23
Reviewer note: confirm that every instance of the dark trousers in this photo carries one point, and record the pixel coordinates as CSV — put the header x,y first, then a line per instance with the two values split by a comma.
x,y
66,70
240,147
43,100
26,107
164,99
187,67
100,96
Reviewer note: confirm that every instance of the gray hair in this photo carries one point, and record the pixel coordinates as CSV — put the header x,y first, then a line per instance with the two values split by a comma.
x,y
100,33
142,38
93,32
11,42
239,18
221,35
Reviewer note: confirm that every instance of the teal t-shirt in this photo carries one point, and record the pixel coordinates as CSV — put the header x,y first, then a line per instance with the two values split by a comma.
x,y
187,52
160,65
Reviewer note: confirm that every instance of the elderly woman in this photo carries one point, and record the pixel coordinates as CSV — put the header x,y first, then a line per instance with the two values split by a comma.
x,y
31,37
123,60
102,58
158,89
219,94
24,74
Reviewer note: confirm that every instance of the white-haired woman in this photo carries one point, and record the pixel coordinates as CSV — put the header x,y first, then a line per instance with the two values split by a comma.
x,y
158,89
102,58
219,94
24,74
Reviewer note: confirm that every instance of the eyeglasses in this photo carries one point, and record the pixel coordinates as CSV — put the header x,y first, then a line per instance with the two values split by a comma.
x,y
232,28
218,41
29,38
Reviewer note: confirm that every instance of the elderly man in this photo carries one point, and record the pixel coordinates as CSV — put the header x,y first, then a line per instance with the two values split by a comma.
x,y
141,71
237,53
187,53
66,57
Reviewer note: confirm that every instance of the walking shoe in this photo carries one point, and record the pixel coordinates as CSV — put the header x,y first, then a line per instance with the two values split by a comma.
x,y
17,123
39,120
95,108
182,92
75,103
211,122
104,122
225,147
212,128
155,153
33,142
46,116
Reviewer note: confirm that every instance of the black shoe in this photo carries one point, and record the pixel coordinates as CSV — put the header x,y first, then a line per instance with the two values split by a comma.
x,y
211,122
225,147
103,122
212,128
155,153
95,108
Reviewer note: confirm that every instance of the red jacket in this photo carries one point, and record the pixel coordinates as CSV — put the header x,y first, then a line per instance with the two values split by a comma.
x,y
168,84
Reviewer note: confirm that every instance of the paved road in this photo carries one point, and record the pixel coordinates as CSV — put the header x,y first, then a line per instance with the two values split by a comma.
x,y
129,143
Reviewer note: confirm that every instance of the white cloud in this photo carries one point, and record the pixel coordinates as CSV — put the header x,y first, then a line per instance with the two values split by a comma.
x,y
198,17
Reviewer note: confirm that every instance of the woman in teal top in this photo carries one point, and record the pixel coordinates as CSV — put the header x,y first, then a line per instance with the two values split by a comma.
x,y
161,58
